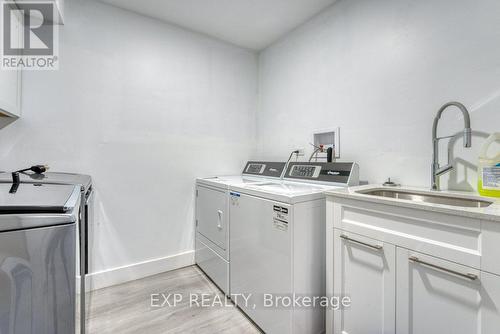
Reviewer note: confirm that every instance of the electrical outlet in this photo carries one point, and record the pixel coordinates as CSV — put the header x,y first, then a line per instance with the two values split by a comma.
x,y
301,152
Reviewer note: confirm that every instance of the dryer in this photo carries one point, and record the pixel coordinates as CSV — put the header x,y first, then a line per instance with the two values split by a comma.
x,y
212,217
277,242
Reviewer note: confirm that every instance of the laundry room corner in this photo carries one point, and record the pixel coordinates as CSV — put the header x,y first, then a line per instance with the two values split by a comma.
x,y
145,138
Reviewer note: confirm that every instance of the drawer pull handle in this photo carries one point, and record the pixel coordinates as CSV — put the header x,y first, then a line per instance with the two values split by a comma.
x,y
470,276
377,247
219,220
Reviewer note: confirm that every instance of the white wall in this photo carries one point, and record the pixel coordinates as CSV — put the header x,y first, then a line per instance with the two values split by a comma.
x,y
144,108
380,70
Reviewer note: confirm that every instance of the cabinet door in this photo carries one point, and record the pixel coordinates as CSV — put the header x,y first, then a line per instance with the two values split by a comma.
x,y
211,216
10,80
364,270
435,296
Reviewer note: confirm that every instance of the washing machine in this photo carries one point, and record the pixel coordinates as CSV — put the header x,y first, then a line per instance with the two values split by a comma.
x,y
277,241
84,226
212,217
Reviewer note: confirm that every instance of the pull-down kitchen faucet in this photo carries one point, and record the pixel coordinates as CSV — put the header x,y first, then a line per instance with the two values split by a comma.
x,y
437,171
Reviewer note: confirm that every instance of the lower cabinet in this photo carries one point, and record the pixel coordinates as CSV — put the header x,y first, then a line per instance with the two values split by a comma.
x,y
438,296
396,290
364,271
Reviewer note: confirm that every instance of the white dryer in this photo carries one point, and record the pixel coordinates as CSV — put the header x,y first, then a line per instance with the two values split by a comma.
x,y
277,242
212,217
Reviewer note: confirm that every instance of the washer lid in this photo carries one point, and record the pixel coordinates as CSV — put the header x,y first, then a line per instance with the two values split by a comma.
x,y
50,177
38,198
285,191
224,182
288,188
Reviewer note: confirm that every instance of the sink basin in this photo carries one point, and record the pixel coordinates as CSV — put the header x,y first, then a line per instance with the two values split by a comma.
x,y
428,198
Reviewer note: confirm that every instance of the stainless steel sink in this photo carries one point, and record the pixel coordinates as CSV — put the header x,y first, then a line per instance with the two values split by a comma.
x,y
428,198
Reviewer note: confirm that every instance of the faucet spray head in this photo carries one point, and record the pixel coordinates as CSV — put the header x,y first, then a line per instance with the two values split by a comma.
x,y
467,137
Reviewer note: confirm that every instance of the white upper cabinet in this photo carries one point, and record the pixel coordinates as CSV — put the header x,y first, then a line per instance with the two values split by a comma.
x,y
10,80
59,9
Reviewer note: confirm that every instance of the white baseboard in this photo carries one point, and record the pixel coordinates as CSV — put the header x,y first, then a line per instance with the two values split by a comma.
x,y
115,276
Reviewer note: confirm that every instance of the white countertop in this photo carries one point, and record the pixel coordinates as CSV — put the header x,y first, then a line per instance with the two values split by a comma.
x,y
491,212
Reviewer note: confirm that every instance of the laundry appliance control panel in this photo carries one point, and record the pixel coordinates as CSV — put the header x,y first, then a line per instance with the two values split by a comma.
x,y
305,171
264,168
341,173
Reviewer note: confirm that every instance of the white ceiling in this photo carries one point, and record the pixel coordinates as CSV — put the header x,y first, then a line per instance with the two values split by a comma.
x,y
252,24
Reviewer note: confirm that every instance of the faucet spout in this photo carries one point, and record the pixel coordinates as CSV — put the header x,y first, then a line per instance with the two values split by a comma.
x,y
467,133
467,137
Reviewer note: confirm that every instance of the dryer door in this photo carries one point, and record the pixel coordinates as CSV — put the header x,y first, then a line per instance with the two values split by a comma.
x,y
211,215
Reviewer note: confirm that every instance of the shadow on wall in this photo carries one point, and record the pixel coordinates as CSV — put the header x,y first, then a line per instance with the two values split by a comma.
x,y
5,120
459,181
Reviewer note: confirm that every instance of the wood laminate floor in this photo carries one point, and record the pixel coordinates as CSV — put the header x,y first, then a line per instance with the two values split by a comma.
x,y
127,308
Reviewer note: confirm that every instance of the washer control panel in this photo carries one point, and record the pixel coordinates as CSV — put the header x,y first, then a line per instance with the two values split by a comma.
x,y
255,168
305,171
332,173
264,168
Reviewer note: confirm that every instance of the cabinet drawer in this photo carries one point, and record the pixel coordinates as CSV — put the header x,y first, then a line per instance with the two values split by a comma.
x,y
213,265
454,238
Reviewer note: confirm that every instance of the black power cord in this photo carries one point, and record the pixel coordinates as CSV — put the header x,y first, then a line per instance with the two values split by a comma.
x,y
329,154
37,169
16,180
15,183
288,162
